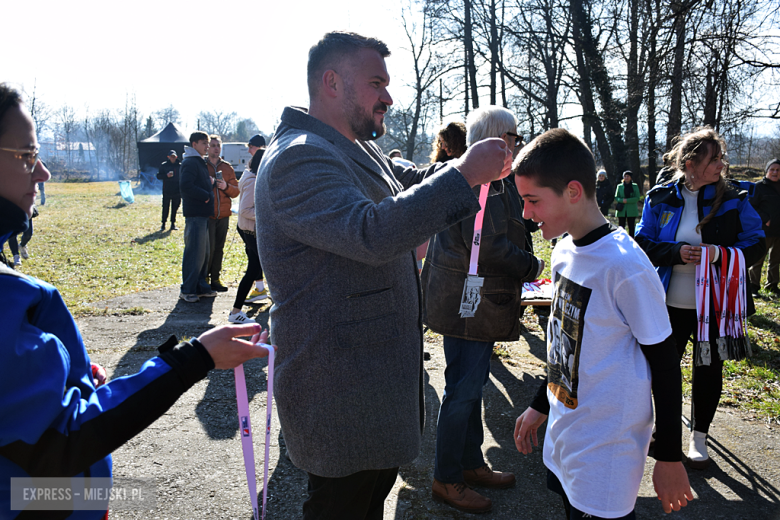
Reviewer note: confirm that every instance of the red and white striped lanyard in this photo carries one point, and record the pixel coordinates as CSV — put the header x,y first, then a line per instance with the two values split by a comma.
x,y
245,425
703,296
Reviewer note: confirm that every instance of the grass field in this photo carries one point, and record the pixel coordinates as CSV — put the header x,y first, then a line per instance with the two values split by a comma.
x,y
92,247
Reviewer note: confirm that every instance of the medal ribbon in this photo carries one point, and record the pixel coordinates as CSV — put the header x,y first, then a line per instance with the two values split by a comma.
x,y
477,240
703,296
245,426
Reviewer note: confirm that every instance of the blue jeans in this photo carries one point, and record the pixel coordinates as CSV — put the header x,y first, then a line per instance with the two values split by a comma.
x,y
194,261
459,429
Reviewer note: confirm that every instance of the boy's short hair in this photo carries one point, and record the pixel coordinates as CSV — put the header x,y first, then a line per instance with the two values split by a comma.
x,y
556,158
217,137
198,136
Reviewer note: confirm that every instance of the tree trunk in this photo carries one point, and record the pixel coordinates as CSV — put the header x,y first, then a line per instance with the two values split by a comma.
x,y
652,81
468,41
635,89
493,53
589,116
674,126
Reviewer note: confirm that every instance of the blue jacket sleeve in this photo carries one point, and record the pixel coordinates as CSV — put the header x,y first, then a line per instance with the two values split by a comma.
x,y
660,252
751,236
55,423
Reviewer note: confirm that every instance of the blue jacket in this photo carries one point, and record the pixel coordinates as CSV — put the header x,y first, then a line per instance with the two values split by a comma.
x,y
54,422
736,224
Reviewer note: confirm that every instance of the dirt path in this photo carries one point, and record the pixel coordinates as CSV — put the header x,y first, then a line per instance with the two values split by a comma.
x,y
194,454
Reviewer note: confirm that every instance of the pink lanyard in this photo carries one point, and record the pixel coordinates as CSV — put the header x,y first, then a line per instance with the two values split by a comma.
x,y
245,424
472,288
483,195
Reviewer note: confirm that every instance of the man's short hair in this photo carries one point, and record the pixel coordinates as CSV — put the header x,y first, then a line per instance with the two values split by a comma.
x,y
334,47
198,136
490,121
217,137
395,152
556,158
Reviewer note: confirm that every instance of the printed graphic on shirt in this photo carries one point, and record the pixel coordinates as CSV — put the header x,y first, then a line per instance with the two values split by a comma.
x,y
564,339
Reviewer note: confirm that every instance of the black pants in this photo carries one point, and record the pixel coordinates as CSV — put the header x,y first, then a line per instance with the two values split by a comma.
x,y
630,228
572,513
218,229
707,380
254,271
360,496
26,236
172,202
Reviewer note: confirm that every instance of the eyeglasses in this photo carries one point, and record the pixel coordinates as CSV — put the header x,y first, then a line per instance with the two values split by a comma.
x,y
518,139
28,155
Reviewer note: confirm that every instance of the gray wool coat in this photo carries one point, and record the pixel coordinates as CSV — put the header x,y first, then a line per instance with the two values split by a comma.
x,y
337,224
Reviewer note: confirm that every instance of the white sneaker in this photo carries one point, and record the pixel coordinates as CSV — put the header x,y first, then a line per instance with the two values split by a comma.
x,y
257,296
23,252
698,458
17,261
241,318
191,298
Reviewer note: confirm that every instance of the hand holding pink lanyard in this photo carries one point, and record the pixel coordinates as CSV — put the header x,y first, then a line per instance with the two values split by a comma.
x,y
245,426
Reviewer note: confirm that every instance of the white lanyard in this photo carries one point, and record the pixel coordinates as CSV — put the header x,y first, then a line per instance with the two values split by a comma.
x,y
245,425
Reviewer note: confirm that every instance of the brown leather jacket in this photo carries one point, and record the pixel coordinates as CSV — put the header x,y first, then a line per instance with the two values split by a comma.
x,y
222,198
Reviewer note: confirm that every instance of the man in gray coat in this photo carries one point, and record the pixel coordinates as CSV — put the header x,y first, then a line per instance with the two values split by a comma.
x,y
337,238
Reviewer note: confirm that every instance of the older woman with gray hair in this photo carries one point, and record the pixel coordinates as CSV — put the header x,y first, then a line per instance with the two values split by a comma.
x,y
505,262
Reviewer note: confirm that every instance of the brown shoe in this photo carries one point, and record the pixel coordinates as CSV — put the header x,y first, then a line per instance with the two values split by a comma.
x,y
462,497
486,477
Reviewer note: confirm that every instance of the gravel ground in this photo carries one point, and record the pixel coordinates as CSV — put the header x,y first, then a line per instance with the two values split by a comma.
x,y
193,452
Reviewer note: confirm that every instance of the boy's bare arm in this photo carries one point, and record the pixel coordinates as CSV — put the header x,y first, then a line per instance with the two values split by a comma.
x,y
529,422
670,481
525,430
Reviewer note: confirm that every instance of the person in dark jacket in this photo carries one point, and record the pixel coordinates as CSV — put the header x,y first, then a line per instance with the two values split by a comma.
x,y
59,418
700,208
766,201
168,173
197,200
604,192
504,263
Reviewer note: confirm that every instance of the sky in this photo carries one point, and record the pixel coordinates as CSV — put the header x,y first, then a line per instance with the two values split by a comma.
x,y
241,56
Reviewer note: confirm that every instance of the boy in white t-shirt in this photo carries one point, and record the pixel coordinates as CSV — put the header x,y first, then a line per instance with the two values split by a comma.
x,y
608,345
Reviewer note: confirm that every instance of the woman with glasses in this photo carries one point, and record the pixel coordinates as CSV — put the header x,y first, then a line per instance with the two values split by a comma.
x,y
60,418
504,263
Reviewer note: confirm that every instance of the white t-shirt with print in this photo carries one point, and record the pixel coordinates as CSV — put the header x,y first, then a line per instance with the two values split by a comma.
x,y
607,300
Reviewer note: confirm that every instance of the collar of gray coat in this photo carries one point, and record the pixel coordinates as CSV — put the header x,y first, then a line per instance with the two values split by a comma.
x,y
298,117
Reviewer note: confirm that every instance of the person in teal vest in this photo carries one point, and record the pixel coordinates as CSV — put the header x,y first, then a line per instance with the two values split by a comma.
x,y
626,198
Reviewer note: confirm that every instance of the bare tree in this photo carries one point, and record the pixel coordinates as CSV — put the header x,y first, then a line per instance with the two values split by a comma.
x,y
166,115
67,126
39,111
431,63
217,122
537,37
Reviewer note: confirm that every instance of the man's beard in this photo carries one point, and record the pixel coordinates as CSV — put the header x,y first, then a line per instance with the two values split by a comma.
x,y
362,124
